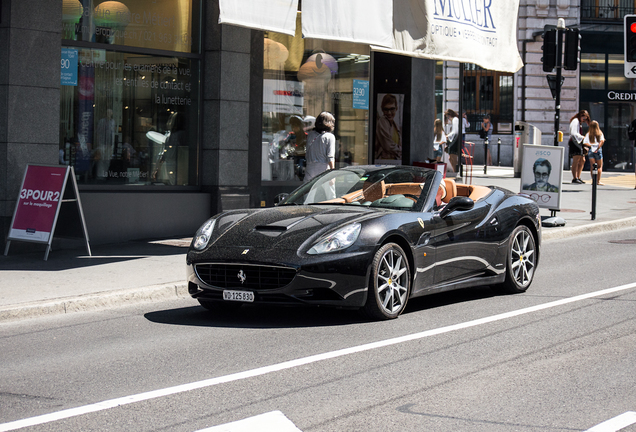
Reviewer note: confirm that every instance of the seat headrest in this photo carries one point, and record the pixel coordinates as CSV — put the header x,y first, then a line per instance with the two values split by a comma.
x,y
441,193
373,190
451,190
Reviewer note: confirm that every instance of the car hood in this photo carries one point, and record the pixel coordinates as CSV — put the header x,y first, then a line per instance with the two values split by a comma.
x,y
286,227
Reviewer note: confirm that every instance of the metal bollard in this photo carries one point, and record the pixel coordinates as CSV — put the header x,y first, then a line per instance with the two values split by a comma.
x,y
594,177
485,155
498,151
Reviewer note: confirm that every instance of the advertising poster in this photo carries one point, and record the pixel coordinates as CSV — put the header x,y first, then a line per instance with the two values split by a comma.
x,y
388,129
38,202
68,65
360,94
542,175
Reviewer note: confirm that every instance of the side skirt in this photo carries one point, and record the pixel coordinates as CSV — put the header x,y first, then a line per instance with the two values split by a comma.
x,y
464,283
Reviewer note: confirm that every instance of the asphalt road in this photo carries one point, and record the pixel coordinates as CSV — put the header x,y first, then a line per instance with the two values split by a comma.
x,y
560,357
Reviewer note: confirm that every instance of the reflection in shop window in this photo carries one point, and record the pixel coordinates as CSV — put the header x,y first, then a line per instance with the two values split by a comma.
x,y
130,119
163,25
616,79
302,78
490,93
593,71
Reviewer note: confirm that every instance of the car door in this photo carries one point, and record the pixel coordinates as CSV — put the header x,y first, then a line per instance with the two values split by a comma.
x,y
463,246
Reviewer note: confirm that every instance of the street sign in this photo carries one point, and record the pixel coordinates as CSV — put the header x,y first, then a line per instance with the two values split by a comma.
x,y
629,29
48,197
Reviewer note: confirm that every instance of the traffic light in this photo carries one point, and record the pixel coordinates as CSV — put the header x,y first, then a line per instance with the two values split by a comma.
x,y
629,28
572,49
549,50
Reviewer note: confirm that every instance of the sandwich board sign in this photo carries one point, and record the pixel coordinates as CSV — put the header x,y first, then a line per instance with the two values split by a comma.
x,y
48,200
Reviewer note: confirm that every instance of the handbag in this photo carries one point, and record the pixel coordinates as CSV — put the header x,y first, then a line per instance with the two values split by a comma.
x,y
483,134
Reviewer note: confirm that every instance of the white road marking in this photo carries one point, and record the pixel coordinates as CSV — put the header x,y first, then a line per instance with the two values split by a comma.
x,y
274,421
113,403
615,424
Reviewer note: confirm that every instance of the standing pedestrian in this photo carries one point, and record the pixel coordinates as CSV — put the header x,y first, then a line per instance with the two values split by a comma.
x,y
439,140
321,146
487,128
594,140
575,144
453,135
465,125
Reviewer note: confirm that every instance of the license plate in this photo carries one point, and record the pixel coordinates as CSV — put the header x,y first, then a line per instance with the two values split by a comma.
x,y
242,296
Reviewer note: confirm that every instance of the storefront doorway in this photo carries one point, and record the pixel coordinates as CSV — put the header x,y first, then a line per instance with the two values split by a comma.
x,y
617,153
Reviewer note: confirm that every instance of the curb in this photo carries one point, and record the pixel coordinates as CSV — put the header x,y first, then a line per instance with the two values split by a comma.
x,y
97,301
179,290
596,228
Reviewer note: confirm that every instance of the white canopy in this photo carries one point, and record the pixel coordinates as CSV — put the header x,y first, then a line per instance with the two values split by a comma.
x,y
482,32
270,15
361,21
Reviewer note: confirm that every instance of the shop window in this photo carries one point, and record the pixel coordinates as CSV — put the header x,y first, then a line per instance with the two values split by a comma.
x,y
490,93
150,24
616,73
593,71
130,118
302,78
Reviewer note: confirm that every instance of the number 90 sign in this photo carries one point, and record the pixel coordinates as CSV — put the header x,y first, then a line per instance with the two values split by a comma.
x,y
68,67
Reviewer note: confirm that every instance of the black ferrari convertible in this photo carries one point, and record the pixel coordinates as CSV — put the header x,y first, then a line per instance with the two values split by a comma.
x,y
367,237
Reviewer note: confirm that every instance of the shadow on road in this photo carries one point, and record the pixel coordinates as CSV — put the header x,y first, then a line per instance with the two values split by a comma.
x,y
269,316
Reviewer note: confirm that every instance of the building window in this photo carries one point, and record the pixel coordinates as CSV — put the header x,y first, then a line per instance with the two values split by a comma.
x,y
490,93
302,78
607,9
129,92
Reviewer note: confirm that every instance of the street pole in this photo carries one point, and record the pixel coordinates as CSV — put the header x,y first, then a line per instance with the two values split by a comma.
x,y
498,151
486,156
594,183
460,144
559,66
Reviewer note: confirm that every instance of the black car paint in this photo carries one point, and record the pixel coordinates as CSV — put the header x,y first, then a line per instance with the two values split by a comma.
x,y
441,251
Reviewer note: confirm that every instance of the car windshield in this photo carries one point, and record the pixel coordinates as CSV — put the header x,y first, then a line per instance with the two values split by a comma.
x,y
401,187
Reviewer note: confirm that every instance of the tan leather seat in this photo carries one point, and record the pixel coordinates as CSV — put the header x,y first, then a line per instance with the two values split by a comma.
x,y
441,193
451,190
373,191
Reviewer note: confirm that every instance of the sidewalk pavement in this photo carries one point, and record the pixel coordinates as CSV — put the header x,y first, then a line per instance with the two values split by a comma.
x,y
138,271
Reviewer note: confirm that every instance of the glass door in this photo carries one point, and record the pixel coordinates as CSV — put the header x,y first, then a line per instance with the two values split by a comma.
x,y
617,151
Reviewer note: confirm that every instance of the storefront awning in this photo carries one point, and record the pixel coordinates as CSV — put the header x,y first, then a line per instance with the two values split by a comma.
x,y
361,21
270,15
482,32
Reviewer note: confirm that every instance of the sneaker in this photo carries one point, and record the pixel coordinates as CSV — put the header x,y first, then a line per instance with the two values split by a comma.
x,y
575,181
580,181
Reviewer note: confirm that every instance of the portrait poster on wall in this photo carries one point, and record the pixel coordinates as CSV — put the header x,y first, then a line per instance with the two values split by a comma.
x,y
542,175
44,193
388,129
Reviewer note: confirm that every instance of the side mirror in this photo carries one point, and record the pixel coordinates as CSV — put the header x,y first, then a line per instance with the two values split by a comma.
x,y
457,203
280,198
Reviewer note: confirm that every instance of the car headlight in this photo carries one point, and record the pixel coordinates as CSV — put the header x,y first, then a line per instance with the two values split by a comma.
x,y
202,237
338,240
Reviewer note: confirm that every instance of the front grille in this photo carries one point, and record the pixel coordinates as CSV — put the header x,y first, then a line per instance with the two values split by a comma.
x,y
253,276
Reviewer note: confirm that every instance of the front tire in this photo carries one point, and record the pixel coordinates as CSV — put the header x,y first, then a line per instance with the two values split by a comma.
x,y
520,262
390,283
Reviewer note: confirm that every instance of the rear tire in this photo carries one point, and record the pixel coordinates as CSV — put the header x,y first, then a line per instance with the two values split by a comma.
x,y
521,261
390,283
